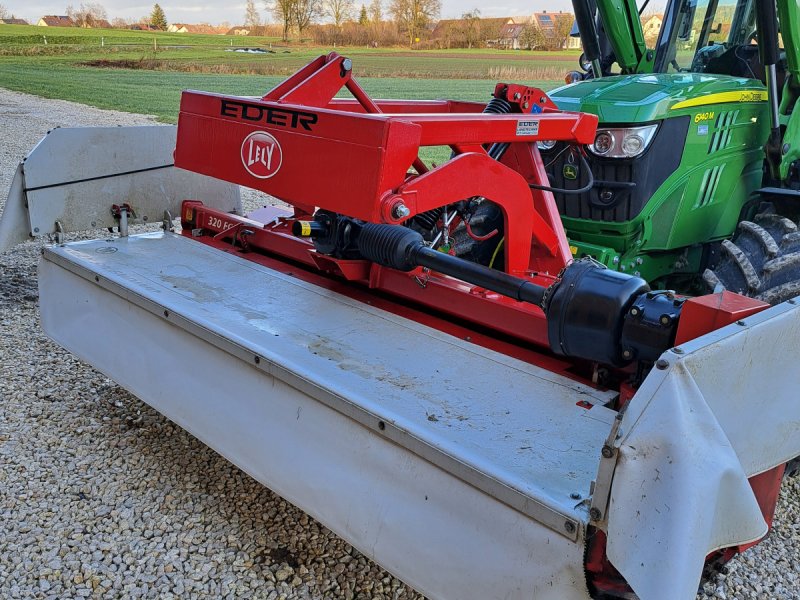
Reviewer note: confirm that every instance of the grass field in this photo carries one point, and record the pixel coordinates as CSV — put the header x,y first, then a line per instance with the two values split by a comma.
x,y
130,72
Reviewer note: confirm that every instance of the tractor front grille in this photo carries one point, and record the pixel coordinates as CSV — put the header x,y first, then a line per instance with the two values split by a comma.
x,y
622,187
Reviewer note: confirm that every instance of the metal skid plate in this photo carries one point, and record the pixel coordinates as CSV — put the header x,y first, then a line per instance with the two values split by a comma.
x,y
449,464
74,175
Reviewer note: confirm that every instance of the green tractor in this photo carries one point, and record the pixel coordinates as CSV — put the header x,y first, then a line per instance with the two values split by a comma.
x,y
691,180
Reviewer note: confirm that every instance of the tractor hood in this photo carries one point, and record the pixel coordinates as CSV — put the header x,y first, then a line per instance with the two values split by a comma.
x,y
650,97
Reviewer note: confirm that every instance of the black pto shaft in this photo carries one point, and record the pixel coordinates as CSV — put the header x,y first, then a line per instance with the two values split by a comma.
x,y
403,249
593,313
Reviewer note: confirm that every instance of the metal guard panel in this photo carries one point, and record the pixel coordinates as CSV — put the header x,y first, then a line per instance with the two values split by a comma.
x,y
74,175
508,428
724,409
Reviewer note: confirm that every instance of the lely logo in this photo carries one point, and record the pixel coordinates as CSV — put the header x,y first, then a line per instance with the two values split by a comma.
x,y
261,155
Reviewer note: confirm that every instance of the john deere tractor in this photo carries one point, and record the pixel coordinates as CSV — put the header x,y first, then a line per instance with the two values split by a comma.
x,y
691,179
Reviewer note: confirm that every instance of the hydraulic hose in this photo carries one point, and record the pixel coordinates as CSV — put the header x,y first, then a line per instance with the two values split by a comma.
x,y
587,168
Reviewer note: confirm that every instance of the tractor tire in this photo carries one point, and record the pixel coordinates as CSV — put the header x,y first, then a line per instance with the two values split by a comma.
x,y
762,261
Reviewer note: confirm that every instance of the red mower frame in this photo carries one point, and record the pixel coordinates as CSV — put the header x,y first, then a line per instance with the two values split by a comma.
x,y
326,143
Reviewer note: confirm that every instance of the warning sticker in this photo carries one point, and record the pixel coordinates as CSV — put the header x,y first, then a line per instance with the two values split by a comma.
x,y
527,128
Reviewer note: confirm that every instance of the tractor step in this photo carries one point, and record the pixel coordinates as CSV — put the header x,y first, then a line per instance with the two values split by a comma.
x,y
461,470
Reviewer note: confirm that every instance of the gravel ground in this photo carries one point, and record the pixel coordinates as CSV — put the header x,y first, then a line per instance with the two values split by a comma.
x,y
102,497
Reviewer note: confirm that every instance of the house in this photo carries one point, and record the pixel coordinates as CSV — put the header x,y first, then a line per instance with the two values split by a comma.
x,y
56,21
510,36
238,30
549,24
143,27
101,24
199,28
13,21
651,26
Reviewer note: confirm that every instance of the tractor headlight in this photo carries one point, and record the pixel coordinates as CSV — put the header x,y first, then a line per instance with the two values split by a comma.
x,y
628,142
546,144
603,143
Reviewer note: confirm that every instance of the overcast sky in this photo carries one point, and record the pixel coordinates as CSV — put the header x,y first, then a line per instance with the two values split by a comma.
x,y
233,12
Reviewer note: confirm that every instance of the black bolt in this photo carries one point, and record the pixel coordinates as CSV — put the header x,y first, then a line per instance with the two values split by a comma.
x,y
575,496
607,451
595,514
569,526
677,350
661,364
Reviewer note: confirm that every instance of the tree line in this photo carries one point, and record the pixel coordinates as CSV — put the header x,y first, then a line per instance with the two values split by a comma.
x,y
398,22
407,20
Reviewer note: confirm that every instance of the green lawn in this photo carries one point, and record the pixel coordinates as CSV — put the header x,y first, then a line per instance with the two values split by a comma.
x,y
204,62
33,35
158,92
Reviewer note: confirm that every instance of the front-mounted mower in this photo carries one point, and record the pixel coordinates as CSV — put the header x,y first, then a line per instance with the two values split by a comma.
x,y
410,353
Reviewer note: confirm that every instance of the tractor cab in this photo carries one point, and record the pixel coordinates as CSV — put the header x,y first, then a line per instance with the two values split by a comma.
x,y
703,36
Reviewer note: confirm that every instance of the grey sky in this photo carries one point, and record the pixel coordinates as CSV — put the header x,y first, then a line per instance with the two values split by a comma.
x,y
233,12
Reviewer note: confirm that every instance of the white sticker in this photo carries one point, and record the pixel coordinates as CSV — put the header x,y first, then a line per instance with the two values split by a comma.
x,y
527,128
702,130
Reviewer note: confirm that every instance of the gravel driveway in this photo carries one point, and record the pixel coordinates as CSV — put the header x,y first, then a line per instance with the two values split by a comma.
x,y
100,496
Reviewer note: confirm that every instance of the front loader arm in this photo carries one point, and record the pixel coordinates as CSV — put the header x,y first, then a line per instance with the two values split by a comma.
x,y
624,30
789,18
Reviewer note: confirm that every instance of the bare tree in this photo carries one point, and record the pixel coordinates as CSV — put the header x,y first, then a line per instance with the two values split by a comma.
x,y
375,11
412,16
3,12
306,12
88,14
283,11
340,10
557,36
471,27
251,16
532,37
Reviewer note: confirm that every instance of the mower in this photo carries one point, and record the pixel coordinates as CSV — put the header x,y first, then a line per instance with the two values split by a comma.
x,y
420,355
